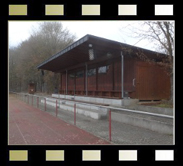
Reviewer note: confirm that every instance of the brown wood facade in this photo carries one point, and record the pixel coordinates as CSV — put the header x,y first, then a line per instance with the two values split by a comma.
x,y
102,75
142,80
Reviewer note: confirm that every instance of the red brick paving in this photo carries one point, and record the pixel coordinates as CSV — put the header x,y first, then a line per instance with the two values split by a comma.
x,y
31,126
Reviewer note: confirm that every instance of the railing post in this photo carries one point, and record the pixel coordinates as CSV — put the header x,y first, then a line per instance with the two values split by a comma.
x,y
32,99
74,113
37,102
45,104
56,108
109,125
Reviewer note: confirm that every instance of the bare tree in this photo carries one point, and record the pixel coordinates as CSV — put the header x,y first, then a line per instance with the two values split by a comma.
x,y
44,42
161,33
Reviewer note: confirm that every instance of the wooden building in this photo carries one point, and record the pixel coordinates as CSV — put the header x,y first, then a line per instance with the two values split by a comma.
x,y
31,88
94,66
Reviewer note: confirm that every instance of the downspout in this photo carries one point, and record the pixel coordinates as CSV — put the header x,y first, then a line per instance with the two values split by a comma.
x,y
122,70
86,80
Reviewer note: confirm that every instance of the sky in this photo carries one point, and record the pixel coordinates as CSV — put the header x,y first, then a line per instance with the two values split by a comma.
x,y
114,30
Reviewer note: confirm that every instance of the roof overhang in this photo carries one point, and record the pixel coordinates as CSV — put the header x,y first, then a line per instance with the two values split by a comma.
x,y
78,53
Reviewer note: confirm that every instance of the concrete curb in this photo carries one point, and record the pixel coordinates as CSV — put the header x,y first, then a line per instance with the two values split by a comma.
x,y
144,123
166,111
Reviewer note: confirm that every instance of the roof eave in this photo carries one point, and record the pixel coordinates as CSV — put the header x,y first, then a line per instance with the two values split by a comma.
x,y
70,47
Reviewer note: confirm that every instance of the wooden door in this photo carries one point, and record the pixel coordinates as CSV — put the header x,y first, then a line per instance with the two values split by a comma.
x,y
144,82
152,83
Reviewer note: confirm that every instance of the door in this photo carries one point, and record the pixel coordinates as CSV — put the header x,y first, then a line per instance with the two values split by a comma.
x,y
145,82
152,82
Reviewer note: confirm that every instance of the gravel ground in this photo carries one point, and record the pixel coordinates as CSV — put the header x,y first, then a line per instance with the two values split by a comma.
x,y
123,134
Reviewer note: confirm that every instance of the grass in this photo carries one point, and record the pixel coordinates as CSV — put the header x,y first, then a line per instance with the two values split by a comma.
x,y
163,105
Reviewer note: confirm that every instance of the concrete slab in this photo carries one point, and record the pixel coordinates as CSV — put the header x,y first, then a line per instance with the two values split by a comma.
x,y
99,100
117,102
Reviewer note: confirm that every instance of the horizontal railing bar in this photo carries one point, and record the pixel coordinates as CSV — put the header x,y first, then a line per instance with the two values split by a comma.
x,y
110,107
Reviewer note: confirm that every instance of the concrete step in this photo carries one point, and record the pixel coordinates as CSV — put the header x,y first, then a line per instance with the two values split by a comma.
x,y
154,123
95,112
119,103
97,100
148,102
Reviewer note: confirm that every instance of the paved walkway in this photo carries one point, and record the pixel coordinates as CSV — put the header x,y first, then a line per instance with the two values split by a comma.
x,y
31,126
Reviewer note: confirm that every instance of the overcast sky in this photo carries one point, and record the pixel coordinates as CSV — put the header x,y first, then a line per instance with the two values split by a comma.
x,y
21,30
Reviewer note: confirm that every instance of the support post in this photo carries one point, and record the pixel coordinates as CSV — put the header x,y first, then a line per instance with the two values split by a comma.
x,y
66,82
122,70
74,113
113,80
60,90
74,84
86,80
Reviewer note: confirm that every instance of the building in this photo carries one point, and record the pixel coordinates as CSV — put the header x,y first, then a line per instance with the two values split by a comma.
x,y
94,66
31,88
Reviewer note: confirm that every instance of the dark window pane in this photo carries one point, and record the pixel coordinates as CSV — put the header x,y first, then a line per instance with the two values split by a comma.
x,y
91,72
80,74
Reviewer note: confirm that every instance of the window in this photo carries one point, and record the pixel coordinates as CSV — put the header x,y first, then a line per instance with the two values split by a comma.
x,y
91,72
79,74
91,54
72,75
103,69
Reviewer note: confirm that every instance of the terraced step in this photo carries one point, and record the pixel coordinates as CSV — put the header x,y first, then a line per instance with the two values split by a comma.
x,y
92,111
141,119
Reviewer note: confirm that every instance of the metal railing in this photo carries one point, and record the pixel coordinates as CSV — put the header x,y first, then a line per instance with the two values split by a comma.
x,y
55,108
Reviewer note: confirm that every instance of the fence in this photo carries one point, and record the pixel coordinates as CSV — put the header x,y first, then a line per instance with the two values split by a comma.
x,y
106,127
101,127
